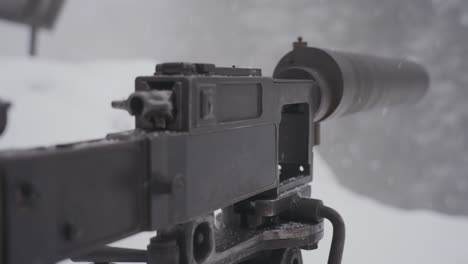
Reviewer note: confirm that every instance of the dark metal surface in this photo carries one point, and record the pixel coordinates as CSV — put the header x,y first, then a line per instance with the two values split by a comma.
x,y
277,256
177,68
206,138
62,201
225,244
351,83
339,233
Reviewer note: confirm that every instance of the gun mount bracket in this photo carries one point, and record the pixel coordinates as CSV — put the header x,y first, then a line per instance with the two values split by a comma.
x,y
233,245
203,242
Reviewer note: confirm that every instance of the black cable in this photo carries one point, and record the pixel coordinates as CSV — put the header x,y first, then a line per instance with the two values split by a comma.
x,y
339,233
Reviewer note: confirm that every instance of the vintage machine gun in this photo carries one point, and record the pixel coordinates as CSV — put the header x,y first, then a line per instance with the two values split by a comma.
x,y
206,138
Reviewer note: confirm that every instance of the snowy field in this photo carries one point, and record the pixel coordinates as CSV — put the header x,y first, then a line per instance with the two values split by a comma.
x,y
56,102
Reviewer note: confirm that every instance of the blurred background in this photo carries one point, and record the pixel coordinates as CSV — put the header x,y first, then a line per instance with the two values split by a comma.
x,y
413,160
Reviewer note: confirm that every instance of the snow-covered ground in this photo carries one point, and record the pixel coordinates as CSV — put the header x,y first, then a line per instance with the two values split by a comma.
x,y
56,102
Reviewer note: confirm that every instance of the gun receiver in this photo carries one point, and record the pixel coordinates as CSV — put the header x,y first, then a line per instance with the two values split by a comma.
x,y
206,138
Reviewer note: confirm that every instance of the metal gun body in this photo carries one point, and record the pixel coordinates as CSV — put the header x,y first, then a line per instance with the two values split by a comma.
x,y
206,138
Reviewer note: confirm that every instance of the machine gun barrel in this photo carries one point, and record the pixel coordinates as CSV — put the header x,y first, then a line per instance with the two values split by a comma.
x,y
351,82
